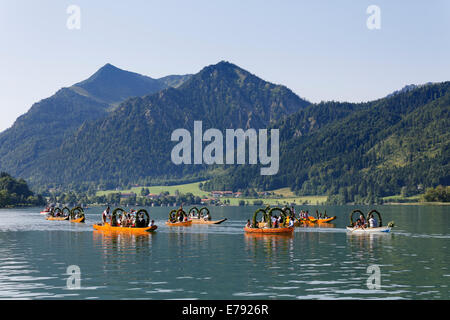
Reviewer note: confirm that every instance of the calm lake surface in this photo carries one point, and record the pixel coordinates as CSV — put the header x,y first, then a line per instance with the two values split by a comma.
x,y
221,262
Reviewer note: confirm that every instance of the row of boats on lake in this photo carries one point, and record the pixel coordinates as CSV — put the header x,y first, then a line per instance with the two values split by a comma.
x,y
273,221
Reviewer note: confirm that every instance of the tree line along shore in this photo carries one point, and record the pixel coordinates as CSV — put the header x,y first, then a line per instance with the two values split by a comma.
x,y
16,193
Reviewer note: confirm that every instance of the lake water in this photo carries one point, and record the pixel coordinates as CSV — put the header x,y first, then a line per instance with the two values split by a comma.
x,y
221,262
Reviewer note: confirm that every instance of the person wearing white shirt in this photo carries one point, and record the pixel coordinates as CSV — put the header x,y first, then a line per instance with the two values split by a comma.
x,y
372,222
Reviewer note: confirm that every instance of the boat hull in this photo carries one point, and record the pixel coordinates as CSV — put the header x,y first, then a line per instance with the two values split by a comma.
x,y
269,230
201,221
369,230
56,218
79,220
179,224
322,220
303,222
107,227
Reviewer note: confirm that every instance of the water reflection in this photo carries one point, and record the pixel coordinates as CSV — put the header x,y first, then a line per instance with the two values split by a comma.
x,y
317,225
269,243
112,242
368,241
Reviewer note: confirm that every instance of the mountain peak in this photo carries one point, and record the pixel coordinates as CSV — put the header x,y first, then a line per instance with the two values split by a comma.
x,y
222,66
107,70
109,67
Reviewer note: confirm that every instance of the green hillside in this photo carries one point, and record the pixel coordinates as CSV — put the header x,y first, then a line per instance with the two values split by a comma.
x,y
133,143
363,150
44,127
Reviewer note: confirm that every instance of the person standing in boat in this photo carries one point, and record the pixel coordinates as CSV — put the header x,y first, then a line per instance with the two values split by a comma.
x,y
105,215
293,211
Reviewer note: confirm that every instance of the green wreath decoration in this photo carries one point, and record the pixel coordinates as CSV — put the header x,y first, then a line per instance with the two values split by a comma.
x,y
75,211
282,214
181,212
378,214
55,211
114,215
64,211
172,215
195,211
351,216
265,217
175,214
145,222
207,212
288,212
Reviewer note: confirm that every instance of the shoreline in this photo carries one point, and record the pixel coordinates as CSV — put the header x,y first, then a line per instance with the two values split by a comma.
x,y
417,203
300,205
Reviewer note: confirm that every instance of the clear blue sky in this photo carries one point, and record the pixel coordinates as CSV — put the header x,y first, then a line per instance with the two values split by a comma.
x,y
322,50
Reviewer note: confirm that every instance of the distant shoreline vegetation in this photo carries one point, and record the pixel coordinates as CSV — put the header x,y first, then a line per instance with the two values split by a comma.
x,y
194,194
438,194
15,193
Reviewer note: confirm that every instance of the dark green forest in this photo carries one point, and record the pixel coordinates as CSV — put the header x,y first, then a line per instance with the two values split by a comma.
x,y
15,192
356,152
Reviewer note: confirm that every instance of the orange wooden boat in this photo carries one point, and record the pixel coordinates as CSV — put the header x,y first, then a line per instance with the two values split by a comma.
x,y
56,218
254,235
302,222
107,227
269,230
179,224
322,220
79,220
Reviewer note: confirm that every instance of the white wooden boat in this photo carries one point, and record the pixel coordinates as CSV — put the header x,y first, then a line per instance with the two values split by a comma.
x,y
196,220
369,230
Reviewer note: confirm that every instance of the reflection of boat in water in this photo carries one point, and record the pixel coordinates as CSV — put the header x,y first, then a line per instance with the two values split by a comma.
x,y
369,230
134,230
288,230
